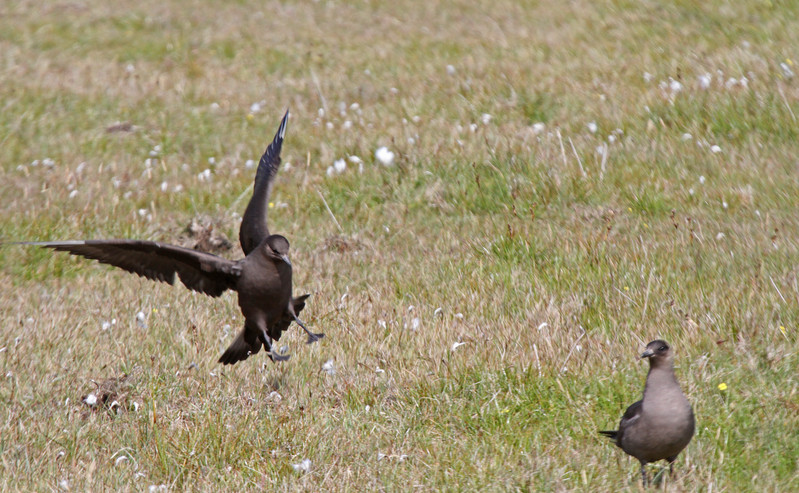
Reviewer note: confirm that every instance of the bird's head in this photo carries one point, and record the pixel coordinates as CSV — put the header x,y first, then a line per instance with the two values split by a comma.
x,y
658,353
277,247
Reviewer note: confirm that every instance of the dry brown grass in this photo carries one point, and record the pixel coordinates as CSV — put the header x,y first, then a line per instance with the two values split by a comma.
x,y
552,264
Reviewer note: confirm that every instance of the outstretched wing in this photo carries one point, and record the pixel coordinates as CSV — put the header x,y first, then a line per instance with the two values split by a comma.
x,y
198,271
253,224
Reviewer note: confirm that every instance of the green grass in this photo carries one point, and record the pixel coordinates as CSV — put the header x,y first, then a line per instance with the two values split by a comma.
x,y
553,264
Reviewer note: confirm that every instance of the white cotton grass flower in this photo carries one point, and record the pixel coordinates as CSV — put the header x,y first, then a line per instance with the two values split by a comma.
x,y
715,149
250,163
648,77
457,344
384,156
302,466
90,400
592,127
204,175
787,72
705,80
686,136
415,324
485,118
538,128
256,107
339,166
702,179
450,70
64,485
328,367
675,86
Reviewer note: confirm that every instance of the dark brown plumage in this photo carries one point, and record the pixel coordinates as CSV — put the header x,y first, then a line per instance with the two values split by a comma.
x,y
262,278
661,424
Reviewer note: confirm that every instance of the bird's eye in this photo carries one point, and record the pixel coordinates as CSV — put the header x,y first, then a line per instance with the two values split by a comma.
x,y
663,348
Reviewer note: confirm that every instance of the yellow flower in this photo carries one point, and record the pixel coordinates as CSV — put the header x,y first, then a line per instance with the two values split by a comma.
x,y
626,288
271,204
250,117
782,329
722,386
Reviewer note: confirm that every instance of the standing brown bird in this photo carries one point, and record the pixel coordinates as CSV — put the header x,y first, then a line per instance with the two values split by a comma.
x,y
661,424
262,278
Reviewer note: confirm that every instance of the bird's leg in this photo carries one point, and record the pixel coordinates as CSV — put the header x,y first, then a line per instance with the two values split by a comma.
x,y
272,353
643,473
312,337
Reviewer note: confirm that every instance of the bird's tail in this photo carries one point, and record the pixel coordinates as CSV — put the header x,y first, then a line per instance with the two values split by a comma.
x,y
612,434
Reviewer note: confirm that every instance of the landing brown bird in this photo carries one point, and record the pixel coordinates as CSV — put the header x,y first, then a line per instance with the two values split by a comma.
x,y
661,424
262,278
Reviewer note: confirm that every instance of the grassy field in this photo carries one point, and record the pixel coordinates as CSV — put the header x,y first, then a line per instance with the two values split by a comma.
x,y
571,180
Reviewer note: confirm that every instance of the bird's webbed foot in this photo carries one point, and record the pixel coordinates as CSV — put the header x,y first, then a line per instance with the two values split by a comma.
x,y
312,336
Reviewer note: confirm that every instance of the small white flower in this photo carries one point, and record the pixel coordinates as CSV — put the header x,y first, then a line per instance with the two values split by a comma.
x,y
106,325
648,77
64,485
691,191
456,345
382,324
473,127
675,86
130,68
485,118
724,204
686,136
73,194
394,90
90,400
255,108
346,125
141,319
378,370
204,175
415,323
600,150
329,125
164,186
450,70
538,128
438,311
340,165
715,149
786,70
303,466
214,106
249,164
355,159
385,156
328,367
702,179
705,80
178,188
720,236
611,138
48,162
592,127
459,315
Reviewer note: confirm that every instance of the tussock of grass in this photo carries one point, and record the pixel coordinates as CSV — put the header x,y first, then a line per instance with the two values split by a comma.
x,y
551,264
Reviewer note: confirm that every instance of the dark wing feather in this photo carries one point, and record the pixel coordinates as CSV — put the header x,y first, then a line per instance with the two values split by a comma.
x,y
631,415
253,224
198,271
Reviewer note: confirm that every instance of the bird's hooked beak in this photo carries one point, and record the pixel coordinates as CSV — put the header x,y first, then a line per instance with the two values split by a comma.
x,y
647,354
285,258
